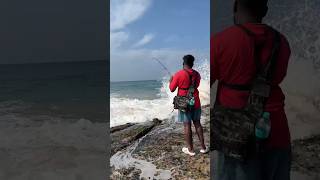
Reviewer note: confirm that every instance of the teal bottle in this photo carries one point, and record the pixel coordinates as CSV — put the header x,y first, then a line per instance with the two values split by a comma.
x,y
263,126
191,101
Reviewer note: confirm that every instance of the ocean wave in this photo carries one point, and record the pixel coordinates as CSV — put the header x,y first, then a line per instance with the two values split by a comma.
x,y
52,148
125,110
41,130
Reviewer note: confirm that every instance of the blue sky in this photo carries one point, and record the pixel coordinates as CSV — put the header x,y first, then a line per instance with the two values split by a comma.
x,y
166,29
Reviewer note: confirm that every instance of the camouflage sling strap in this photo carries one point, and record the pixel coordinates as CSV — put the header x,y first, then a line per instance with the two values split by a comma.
x,y
232,130
182,102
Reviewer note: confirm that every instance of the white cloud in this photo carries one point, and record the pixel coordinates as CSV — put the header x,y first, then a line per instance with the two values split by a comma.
x,y
124,12
117,39
145,40
128,59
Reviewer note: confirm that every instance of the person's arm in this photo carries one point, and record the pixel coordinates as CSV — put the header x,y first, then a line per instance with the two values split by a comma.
x,y
214,70
282,63
198,80
173,83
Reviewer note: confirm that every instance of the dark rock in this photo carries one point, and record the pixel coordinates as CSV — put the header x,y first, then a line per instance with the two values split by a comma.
x,y
126,174
305,155
125,135
121,127
157,121
162,146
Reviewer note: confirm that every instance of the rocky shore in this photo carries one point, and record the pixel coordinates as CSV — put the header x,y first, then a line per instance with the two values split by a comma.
x,y
306,158
154,151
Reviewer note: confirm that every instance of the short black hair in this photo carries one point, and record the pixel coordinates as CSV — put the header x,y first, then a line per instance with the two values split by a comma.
x,y
255,7
188,60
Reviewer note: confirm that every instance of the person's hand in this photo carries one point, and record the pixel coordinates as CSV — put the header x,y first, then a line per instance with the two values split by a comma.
x,y
171,78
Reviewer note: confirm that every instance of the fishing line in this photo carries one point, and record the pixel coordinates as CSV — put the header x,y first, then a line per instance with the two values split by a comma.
x,y
164,67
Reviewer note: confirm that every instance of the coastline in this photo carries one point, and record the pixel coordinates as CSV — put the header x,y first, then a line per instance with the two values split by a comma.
x,y
155,147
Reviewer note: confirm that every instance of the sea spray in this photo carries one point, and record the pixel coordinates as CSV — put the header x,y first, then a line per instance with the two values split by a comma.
x,y
49,147
124,159
125,109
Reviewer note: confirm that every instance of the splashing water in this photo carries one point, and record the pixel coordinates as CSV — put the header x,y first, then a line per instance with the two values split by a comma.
x,y
148,169
124,110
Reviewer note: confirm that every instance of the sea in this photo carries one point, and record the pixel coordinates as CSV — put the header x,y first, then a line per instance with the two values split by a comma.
x,y
71,90
140,101
56,117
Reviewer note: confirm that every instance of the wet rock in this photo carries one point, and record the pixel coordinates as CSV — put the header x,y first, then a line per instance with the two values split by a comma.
x,y
156,121
126,134
126,174
305,155
162,146
121,127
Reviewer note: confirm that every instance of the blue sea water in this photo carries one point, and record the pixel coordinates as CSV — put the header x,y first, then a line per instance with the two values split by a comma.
x,y
147,90
68,89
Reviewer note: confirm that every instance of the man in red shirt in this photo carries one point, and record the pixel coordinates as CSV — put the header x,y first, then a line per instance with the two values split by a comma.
x,y
182,80
233,62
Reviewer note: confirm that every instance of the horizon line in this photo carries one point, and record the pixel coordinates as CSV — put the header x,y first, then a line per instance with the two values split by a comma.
x,y
135,80
52,62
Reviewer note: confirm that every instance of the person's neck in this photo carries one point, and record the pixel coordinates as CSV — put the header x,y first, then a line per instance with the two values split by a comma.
x,y
243,19
186,67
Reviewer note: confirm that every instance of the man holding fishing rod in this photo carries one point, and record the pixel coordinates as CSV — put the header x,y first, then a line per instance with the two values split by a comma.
x,y
250,134
187,102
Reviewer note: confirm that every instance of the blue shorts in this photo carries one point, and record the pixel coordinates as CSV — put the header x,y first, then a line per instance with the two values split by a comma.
x,y
271,164
192,115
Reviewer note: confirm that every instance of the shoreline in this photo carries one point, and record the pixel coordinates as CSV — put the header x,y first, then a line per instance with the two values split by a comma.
x,y
157,144
158,150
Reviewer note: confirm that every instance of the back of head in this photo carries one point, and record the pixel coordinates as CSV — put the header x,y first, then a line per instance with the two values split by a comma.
x,y
257,8
188,60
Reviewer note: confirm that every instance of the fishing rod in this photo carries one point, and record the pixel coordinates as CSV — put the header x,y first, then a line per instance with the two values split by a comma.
x,y
164,67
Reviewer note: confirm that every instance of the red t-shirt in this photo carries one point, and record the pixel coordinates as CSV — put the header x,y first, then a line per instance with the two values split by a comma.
x,y
182,80
232,62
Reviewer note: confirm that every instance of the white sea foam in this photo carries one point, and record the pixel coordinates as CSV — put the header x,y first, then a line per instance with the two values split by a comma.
x,y
124,110
49,147
124,159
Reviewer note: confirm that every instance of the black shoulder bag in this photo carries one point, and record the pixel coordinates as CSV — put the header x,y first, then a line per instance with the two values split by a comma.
x,y
183,103
232,131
